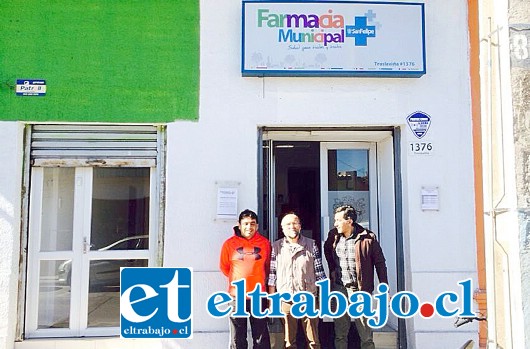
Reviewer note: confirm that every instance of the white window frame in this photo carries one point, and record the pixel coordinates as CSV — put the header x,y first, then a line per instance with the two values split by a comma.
x,y
28,318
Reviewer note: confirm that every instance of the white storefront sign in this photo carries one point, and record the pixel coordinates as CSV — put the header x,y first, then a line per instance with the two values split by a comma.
x,y
333,38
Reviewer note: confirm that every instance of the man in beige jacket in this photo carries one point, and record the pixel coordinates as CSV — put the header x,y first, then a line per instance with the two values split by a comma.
x,y
296,266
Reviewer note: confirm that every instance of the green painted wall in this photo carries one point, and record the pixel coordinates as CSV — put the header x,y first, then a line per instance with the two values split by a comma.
x,y
103,60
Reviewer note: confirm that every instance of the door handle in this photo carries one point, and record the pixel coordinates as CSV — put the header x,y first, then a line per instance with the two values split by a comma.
x,y
86,245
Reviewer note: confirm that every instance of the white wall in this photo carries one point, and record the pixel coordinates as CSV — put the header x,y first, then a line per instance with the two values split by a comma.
x,y
10,200
222,146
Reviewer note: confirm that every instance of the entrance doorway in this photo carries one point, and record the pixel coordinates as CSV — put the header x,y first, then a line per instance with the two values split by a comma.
x,y
312,172
297,183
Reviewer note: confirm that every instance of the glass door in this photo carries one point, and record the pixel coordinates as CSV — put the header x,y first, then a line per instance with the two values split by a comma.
x,y
348,177
119,237
51,246
85,223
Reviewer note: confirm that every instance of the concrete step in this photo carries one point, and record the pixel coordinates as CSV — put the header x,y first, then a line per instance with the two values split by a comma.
x,y
386,338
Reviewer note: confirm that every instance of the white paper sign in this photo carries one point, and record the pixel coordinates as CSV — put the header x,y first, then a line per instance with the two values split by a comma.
x,y
430,200
227,202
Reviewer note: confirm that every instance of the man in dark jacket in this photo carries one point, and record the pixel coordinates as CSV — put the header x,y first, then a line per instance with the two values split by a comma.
x,y
353,253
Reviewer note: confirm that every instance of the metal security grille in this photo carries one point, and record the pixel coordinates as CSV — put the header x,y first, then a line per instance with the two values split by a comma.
x,y
94,145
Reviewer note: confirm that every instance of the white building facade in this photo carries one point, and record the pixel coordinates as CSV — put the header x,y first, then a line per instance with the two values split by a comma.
x,y
303,143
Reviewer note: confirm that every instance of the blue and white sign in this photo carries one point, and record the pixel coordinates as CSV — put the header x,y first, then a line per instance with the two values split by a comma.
x,y
31,87
156,303
419,123
323,38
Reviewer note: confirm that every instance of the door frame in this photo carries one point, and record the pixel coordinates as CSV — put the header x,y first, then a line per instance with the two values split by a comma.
x,y
389,136
80,254
268,135
154,138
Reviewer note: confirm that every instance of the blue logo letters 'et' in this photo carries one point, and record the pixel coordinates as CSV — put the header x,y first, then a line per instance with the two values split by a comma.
x,y
156,303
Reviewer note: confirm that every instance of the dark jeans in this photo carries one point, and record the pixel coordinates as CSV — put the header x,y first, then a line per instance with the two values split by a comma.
x,y
258,327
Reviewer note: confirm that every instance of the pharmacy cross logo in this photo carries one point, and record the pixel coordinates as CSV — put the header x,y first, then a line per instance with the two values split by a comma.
x,y
361,31
156,303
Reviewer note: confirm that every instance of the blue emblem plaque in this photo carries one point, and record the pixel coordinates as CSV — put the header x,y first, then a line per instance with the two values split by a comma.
x,y
419,123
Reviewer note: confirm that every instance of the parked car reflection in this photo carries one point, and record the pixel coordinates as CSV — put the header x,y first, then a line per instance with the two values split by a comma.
x,y
105,273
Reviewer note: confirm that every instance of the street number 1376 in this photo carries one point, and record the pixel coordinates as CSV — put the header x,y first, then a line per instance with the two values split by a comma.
x,y
421,146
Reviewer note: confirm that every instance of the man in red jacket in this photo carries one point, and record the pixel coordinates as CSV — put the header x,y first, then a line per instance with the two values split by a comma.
x,y
246,255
